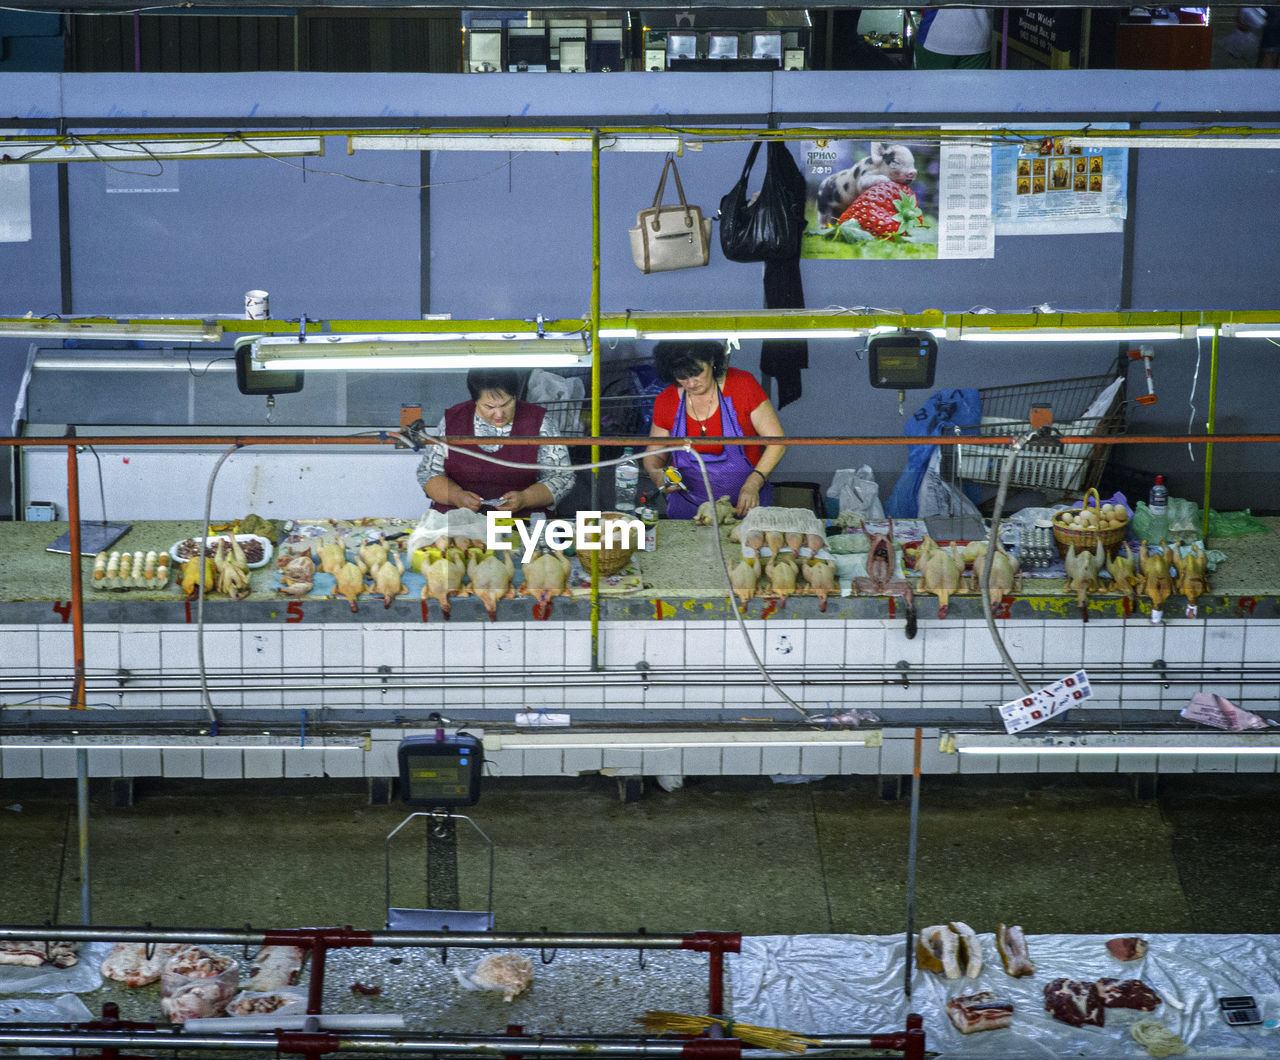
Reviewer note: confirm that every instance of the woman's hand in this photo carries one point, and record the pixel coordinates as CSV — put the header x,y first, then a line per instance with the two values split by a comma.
x,y
466,499
514,501
748,496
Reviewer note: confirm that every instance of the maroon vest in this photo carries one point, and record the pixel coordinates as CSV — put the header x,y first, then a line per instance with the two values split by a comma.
x,y
479,476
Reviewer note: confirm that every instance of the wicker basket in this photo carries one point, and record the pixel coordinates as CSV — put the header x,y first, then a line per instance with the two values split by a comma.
x,y
613,560
1086,540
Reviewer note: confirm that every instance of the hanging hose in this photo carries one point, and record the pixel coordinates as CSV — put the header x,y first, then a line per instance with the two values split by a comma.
x,y
993,539
204,543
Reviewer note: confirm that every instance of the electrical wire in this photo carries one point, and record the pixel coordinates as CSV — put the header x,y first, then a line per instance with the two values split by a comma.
x,y
1195,380
201,545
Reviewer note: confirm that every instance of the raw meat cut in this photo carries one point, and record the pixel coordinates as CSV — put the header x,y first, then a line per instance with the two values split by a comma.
x,y
1128,993
35,954
261,1004
1074,1002
938,950
197,984
508,972
1130,948
1012,945
274,967
970,949
982,1011
128,962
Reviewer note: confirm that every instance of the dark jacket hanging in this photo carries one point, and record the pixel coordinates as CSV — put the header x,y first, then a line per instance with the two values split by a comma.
x,y
783,359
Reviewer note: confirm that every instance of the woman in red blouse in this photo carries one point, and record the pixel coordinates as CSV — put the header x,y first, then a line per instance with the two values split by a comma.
x,y
709,399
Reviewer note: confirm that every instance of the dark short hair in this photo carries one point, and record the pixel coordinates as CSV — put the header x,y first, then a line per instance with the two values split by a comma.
x,y
679,359
508,380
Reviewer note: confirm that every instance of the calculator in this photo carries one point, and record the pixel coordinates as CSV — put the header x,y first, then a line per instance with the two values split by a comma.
x,y
1240,1011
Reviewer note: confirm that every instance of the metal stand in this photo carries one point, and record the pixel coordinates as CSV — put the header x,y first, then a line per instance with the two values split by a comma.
x,y
441,871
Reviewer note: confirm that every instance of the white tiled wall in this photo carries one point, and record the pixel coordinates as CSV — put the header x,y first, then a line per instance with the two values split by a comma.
x,y
413,659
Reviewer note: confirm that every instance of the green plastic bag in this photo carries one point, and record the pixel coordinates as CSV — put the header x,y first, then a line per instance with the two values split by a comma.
x,y
1185,521
1234,524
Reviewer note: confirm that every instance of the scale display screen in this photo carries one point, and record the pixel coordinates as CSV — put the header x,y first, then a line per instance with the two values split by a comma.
x,y
905,361
440,772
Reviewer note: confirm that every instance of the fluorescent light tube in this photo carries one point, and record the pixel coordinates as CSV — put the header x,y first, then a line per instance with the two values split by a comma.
x,y
513,142
1248,331
676,740
1124,749
96,329
746,333
124,149
1066,335
189,745
392,353
1264,140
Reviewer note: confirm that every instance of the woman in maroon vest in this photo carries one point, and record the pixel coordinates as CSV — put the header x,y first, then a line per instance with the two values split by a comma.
x,y
461,480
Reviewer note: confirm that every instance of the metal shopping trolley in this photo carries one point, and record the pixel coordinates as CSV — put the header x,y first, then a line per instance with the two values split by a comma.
x,y
1086,405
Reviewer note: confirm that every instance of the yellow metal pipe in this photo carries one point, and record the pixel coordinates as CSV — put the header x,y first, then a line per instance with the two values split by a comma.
x,y
595,384
1208,429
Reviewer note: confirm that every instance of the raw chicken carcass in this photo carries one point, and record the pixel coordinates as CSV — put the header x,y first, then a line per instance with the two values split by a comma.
x,y
128,962
545,576
274,967
330,556
1193,577
1124,576
1155,583
982,1011
297,572
745,578
1128,993
508,972
1082,574
782,571
820,577
722,512
350,582
940,575
443,572
388,579
35,954
1003,578
1074,1002
1129,948
490,578
1011,944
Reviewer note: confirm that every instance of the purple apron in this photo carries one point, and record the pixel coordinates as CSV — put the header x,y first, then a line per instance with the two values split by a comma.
x,y
727,472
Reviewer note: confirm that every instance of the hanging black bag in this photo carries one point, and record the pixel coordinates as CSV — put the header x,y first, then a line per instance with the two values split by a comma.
x,y
771,227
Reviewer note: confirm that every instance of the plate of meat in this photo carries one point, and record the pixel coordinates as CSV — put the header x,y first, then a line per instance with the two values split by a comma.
x,y
257,550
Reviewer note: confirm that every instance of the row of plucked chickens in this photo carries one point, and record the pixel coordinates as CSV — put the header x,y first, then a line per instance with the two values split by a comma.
x,y
954,951
451,567
1154,575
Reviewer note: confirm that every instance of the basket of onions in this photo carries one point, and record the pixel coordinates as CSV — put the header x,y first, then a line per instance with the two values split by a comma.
x,y
1085,526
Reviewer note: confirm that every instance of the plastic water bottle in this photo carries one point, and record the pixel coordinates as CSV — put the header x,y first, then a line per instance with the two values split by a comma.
x,y
1158,502
626,476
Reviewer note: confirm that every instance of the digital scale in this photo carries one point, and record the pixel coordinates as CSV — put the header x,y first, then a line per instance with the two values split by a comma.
x,y
905,360
440,770
94,538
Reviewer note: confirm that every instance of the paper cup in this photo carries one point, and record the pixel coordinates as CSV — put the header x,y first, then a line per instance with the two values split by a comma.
x,y
257,305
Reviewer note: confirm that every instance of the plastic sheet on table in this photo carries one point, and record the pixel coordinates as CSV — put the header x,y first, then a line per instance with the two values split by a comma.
x,y
833,984
80,978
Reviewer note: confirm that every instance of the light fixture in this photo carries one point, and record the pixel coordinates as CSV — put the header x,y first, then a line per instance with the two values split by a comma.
x,y
112,148
1217,143
512,142
670,741
1246,331
98,328
1146,743
966,334
183,743
433,351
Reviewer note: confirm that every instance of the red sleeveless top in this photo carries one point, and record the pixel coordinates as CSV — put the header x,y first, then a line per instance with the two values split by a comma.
x,y
479,476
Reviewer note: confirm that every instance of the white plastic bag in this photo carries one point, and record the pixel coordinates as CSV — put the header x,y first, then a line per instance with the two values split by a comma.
x,y
857,492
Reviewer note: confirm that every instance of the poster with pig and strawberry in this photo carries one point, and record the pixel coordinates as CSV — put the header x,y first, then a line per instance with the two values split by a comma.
x,y
870,199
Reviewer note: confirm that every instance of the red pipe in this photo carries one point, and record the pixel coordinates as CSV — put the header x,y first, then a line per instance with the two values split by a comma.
x,y
715,944
77,588
712,1049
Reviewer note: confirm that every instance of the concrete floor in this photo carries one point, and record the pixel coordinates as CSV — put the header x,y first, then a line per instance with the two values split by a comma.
x,y
1062,854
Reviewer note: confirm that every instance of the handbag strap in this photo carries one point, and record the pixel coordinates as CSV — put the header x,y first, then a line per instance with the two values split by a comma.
x,y
662,183
751,161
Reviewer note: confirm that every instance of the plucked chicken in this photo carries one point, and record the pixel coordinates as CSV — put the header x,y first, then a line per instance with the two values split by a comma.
x,y
388,579
1193,577
1003,578
1155,583
490,578
443,572
545,576
720,513
1124,573
745,578
782,571
1082,574
330,556
940,574
350,583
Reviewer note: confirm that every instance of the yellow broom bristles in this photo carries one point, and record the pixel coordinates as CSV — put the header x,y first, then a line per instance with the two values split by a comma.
x,y
661,1022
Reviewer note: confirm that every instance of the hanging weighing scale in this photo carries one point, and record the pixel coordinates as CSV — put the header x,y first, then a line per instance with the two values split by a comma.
x,y
440,771
905,360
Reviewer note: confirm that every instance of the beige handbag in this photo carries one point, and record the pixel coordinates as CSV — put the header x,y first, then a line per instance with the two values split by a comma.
x,y
670,237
